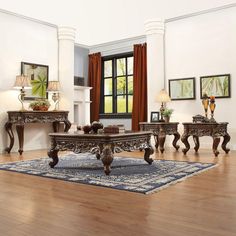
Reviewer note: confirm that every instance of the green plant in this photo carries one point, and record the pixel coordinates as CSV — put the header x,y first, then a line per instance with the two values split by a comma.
x,y
167,112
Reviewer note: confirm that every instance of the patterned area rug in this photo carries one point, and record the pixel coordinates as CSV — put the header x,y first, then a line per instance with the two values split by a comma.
x,y
129,174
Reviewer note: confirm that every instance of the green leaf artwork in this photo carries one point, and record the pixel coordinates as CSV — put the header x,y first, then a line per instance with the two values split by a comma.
x,y
39,86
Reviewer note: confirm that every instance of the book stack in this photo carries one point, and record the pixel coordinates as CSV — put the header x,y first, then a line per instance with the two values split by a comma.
x,y
121,129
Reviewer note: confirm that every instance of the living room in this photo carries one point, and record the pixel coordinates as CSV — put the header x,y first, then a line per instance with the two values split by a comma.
x,y
188,39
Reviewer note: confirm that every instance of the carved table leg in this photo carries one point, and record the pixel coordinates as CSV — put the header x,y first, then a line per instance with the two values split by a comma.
x,y
156,141
67,125
55,126
225,141
148,151
196,141
161,140
20,133
52,153
216,141
107,158
8,127
177,137
184,139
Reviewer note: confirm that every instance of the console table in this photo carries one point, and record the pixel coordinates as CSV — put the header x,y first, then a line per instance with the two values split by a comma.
x,y
160,130
215,130
103,145
20,118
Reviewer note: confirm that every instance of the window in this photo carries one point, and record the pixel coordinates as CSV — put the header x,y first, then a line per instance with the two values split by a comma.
x,y
117,86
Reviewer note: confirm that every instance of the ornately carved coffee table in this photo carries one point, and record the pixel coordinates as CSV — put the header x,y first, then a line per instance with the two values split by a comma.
x,y
103,145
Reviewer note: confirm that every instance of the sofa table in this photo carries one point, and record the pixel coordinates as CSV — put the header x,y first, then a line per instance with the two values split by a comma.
x,y
102,145
160,130
20,118
215,130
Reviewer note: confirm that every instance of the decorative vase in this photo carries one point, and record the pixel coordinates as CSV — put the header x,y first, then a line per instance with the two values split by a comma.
x,y
212,107
205,103
167,119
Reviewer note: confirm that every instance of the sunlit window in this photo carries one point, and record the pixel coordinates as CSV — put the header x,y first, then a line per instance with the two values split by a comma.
x,y
117,84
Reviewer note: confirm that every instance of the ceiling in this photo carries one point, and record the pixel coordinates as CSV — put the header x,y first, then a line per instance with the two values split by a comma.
x,y
100,21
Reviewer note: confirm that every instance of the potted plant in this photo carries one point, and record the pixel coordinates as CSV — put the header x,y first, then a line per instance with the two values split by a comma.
x,y
167,114
40,105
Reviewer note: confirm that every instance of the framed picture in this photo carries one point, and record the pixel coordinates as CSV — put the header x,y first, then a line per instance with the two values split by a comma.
x,y
38,75
154,116
215,85
182,89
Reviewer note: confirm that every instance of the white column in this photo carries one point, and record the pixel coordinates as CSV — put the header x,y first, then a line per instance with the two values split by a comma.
x,y
155,30
66,39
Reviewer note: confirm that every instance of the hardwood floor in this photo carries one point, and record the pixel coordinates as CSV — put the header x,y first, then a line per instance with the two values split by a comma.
x,y
201,205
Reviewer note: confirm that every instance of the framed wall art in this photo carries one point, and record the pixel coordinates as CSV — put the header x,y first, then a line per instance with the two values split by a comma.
x,y
215,85
154,116
182,89
38,75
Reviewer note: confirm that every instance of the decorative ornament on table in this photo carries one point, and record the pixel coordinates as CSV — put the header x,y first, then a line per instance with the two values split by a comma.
x,y
87,129
205,103
96,125
212,106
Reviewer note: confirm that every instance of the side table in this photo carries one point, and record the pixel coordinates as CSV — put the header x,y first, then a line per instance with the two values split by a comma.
x,y
160,130
215,130
20,118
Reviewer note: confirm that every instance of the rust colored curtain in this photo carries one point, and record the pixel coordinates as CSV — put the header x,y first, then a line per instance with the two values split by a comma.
x,y
94,78
139,112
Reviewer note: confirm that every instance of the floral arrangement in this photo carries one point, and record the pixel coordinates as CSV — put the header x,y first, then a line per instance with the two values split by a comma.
x,y
40,105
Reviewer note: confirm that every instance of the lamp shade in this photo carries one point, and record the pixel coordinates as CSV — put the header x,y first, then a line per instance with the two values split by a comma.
x,y
163,96
22,81
53,86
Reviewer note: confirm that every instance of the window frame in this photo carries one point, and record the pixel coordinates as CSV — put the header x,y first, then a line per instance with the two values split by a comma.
x,y
114,95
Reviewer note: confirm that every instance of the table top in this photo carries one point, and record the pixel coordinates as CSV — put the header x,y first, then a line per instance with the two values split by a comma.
x,y
103,135
158,123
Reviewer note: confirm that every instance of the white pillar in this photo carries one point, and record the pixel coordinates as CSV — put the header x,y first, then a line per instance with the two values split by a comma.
x,y
66,39
155,30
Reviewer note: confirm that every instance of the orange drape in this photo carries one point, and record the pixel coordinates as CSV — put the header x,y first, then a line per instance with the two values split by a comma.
x,y
139,112
94,78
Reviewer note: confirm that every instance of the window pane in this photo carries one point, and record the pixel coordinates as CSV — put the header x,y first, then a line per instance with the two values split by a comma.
x,y
108,104
121,104
121,66
108,68
121,85
130,85
107,86
130,65
130,103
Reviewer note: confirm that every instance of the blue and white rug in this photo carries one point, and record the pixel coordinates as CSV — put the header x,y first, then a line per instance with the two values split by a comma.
x,y
129,174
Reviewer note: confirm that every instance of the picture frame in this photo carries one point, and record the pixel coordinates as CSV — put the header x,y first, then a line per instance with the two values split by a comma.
x,y
38,75
182,89
155,116
215,85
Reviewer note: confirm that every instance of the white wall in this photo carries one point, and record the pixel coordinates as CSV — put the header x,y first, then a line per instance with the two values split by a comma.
x,y
198,46
24,40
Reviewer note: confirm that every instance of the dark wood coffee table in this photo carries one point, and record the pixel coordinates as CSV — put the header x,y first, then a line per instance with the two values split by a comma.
x,y
102,145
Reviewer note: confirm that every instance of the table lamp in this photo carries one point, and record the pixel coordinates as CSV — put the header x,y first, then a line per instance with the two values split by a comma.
x,y
54,86
22,82
162,97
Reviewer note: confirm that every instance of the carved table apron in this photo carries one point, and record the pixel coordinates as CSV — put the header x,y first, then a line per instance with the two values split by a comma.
x,y
160,130
215,130
97,143
20,118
